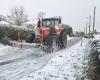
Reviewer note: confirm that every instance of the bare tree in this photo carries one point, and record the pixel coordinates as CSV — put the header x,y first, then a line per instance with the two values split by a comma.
x,y
18,15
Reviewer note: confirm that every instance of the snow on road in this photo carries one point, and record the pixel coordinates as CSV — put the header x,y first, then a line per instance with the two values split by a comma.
x,y
13,53
29,64
69,38
3,49
10,53
69,64
12,50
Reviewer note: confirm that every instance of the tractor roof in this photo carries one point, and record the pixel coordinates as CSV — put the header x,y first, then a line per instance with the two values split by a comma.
x,y
54,18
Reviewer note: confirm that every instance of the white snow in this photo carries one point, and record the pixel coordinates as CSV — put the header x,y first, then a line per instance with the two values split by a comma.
x,y
34,22
69,38
3,49
4,23
12,50
11,53
19,27
67,65
97,37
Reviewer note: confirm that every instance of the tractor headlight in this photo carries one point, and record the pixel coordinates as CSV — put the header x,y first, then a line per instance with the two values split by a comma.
x,y
56,27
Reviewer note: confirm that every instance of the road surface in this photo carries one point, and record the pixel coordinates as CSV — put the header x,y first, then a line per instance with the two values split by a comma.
x,y
22,67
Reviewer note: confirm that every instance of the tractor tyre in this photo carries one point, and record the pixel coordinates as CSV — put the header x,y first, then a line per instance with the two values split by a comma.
x,y
47,44
63,39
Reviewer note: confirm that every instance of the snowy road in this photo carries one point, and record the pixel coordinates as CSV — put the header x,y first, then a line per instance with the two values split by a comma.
x,y
68,64
22,67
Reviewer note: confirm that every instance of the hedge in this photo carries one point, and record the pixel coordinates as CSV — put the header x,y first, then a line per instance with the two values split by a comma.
x,y
12,33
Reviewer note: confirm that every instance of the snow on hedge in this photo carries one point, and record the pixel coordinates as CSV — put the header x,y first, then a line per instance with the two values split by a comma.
x,y
4,24
97,37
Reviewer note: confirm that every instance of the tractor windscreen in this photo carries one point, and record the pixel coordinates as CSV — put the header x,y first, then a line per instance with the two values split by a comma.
x,y
48,23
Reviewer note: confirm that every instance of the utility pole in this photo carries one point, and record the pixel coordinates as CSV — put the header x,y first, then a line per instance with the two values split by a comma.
x,y
84,31
86,28
89,26
94,19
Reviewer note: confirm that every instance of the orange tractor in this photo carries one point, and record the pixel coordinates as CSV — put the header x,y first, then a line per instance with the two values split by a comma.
x,y
50,34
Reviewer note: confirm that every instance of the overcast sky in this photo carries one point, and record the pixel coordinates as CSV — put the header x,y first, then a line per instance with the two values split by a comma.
x,y
73,12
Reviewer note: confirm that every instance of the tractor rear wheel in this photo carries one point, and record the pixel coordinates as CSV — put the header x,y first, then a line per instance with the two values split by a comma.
x,y
63,39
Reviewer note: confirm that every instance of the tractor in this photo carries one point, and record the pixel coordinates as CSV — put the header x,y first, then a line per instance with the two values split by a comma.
x,y
51,34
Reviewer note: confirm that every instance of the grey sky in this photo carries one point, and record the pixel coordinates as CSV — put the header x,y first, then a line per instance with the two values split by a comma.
x,y
73,12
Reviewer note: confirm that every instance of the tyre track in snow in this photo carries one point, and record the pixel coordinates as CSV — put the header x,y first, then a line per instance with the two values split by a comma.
x,y
22,70
72,42
18,69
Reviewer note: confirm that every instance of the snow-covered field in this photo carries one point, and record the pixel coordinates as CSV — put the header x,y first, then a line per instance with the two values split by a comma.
x,y
69,64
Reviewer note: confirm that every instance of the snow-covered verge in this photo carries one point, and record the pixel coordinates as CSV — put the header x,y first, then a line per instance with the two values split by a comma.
x,y
97,37
93,69
69,64
3,49
69,38
12,53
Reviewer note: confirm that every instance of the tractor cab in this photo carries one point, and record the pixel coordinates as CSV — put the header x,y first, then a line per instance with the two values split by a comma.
x,y
49,27
51,23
